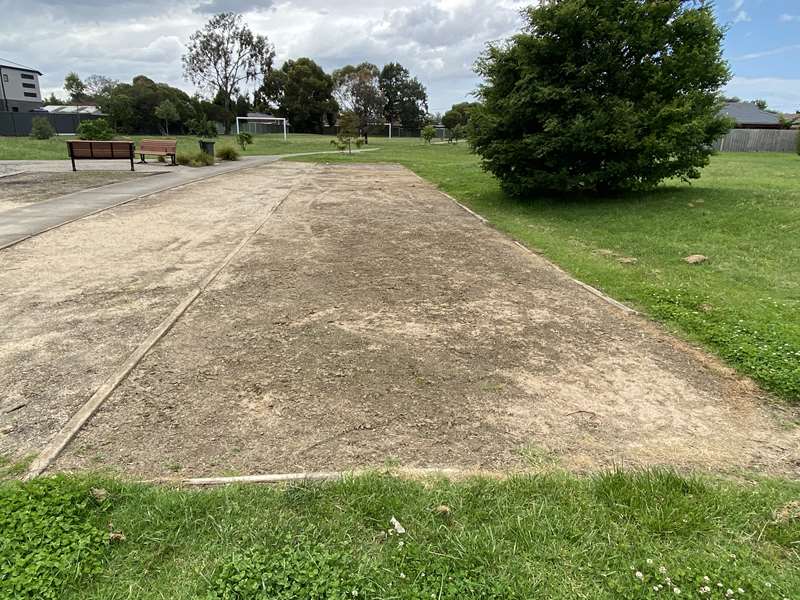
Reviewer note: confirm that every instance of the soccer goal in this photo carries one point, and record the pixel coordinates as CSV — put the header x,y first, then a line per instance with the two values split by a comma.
x,y
259,125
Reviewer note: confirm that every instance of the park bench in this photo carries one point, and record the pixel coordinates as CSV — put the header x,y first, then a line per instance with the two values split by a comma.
x,y
158,148
100,150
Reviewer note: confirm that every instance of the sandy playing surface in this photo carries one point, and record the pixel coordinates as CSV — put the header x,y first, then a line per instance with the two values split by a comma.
x,y
370,320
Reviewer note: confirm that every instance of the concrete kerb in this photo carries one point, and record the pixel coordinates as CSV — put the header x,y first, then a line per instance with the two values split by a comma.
x,y
278,478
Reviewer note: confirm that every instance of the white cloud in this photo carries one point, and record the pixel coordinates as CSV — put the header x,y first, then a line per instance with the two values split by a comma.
x,y
780,94
742,17
785,18
437,40
770,52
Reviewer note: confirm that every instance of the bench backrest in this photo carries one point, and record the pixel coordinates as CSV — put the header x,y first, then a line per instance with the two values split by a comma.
x,y
100,149
167,146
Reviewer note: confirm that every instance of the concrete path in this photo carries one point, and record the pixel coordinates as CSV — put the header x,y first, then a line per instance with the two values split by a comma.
x,y
21,223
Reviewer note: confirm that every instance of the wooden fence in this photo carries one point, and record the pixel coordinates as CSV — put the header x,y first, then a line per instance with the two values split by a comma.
x,y
758,140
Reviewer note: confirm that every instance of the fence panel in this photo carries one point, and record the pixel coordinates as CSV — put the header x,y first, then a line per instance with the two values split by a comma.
x,y
758,140
19,123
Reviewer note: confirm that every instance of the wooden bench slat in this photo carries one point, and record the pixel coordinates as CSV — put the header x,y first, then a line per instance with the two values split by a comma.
x,y
100,150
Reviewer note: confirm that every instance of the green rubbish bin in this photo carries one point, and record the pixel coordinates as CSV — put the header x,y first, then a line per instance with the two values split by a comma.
x,y
207,147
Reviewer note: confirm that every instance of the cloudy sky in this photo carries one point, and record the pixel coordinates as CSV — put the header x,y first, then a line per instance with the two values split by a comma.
x,y
438,40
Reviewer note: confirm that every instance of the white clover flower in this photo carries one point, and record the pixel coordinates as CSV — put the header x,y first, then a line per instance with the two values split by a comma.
x,y
768,584
639,575
649,561
662,569
355,593
706,579
655,588
402,575
740,590
677,590
729,592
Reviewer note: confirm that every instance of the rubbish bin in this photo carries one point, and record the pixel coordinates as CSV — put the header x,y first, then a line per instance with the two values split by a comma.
x,y
207,147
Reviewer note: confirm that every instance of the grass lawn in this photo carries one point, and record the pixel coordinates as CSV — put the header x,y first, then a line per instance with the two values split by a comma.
x,y
552,536
24,148
744,214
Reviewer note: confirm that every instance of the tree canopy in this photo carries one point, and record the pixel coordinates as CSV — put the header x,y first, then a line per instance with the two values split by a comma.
x,y
357,90
599,96
225,55
405,98
303,94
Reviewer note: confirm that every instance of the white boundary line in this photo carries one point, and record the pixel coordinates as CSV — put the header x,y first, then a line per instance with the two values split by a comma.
x,y
57,444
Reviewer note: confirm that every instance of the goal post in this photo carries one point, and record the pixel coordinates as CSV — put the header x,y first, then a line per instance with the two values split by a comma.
x,y
247,123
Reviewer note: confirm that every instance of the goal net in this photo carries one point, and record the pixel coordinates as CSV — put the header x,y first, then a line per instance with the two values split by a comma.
x,y
261,125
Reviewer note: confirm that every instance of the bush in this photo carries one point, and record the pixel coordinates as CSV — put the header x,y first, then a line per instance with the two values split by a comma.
x,y
601,96
798,140
202,127
95,129
228,153
195,159
41,129
243,139
428,133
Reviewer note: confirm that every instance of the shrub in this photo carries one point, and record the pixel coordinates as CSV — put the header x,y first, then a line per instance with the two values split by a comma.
x,y
348,133
798,140
195,159
601,96
428,133
48,538
228,153
202,127
41,129
95,129
243,139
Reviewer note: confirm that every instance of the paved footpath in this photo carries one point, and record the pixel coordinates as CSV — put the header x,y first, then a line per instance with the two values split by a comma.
x,y
21,223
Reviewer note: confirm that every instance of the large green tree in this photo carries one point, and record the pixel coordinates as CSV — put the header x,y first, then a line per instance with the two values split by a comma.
x,y
458,114
406,100
225,55
131,107
75,87
356,89
599,96
302,93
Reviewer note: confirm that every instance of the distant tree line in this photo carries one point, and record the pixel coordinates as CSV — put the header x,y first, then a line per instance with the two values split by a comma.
x,y
224,59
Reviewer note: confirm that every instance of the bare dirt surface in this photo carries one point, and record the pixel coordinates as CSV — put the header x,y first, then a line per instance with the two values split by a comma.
x,y
371,320
77,300
26,188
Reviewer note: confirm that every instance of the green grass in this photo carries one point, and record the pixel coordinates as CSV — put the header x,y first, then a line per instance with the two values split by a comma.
x,y
744,214
551,536
24,148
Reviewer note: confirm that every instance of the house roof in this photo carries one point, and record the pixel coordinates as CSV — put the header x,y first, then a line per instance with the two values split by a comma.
x,y
10,64
72,109
747,113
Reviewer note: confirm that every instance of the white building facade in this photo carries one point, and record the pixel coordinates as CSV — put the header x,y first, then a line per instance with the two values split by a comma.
x,y
19,87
